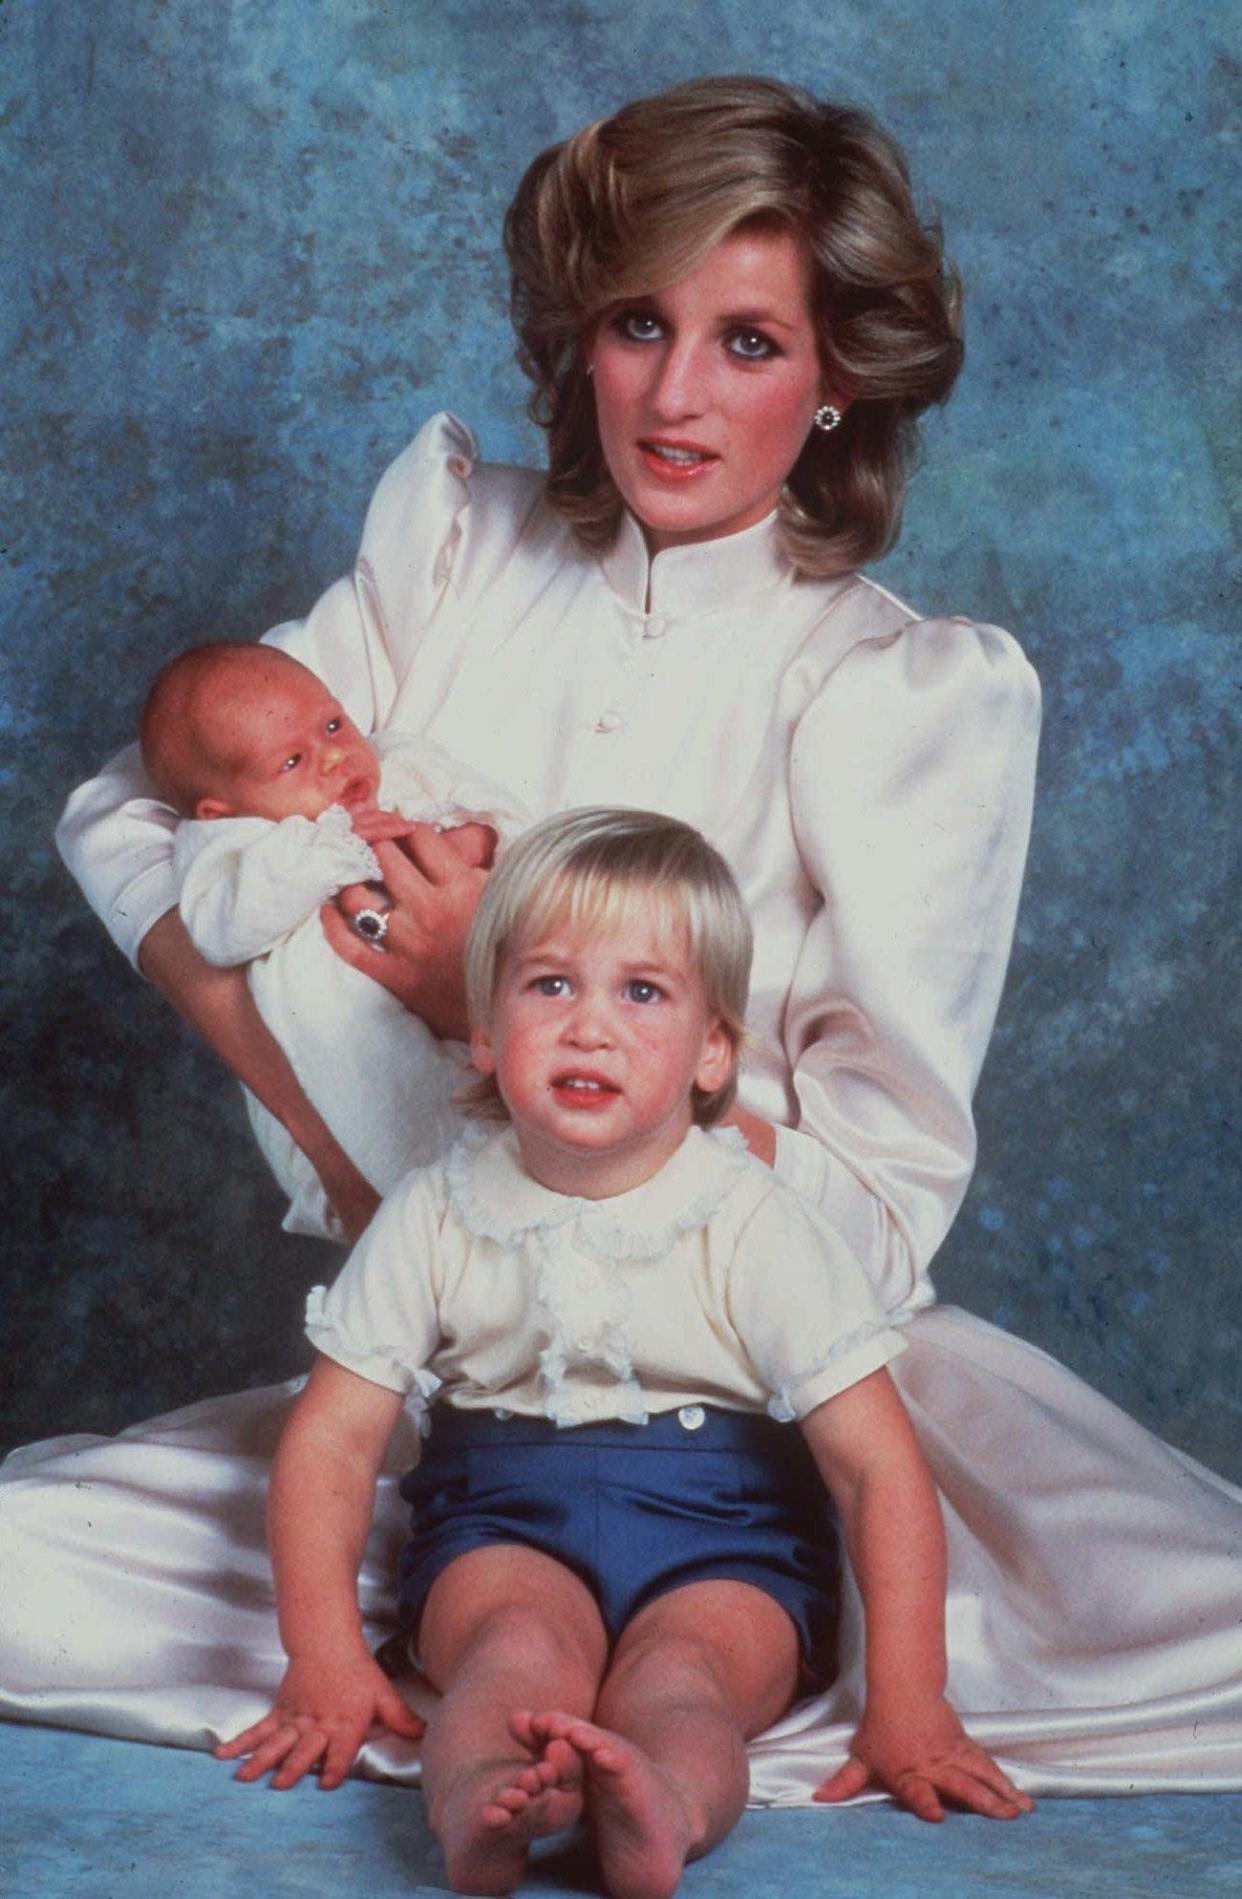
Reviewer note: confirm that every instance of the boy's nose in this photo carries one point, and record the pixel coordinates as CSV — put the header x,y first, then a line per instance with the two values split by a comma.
x,y
589,1026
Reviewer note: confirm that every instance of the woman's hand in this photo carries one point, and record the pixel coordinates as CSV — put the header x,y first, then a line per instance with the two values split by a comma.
x,y
434,894
350,1194
760,1134
919,1751
325,1708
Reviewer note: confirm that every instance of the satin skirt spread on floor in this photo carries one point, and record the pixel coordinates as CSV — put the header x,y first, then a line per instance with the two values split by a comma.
x,y
1095,1596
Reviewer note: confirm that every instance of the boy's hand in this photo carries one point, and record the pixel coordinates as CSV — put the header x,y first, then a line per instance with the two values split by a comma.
x,y
920,1752
323,1713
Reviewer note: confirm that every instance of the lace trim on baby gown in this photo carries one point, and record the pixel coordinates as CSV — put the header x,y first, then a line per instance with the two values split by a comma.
x,y
321,1328
564,1236
358,862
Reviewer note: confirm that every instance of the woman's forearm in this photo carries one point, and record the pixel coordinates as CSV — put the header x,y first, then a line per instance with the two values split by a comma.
x,y
218,1005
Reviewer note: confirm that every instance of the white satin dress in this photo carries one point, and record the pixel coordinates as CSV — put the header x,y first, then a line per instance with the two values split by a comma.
x,y
869,776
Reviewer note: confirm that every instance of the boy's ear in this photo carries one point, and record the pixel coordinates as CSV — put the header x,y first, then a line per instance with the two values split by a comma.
x,y
718,1060
481,1053
213,808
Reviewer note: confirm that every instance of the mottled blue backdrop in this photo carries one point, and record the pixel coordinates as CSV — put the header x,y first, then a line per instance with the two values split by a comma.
x,y
249,246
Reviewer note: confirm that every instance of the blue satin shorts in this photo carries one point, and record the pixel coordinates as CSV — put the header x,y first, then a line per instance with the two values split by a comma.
x,y
634,1510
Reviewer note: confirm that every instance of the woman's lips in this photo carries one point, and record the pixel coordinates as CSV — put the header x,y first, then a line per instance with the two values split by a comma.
x,y
676,461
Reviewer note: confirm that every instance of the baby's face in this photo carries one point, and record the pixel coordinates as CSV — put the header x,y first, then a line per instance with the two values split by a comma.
x,y
291,752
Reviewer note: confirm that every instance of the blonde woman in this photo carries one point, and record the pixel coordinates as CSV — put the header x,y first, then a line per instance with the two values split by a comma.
x,y
732,316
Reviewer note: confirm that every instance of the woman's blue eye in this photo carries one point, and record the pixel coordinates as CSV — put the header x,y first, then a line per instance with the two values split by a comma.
x,y
334,725
292,762
640,991
639,325
752,346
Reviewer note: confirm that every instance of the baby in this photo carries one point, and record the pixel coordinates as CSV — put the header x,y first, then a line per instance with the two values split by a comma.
x,y
622,1560
281,798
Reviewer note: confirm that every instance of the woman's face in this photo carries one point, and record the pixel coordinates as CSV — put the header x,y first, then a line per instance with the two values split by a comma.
x,y
705,391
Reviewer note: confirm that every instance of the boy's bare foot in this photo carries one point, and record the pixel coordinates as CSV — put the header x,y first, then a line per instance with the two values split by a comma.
x,y
488,1818
642,1830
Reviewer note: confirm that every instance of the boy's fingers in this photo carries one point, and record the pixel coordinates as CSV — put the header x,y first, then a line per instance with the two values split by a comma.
x,y
301,1757
920,1797
845,1783
399,1716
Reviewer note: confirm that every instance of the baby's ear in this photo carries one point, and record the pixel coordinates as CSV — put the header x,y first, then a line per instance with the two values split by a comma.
x,y
213,808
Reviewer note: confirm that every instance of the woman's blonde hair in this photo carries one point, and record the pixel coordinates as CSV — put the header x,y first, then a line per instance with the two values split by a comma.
x,y
633,203
585,869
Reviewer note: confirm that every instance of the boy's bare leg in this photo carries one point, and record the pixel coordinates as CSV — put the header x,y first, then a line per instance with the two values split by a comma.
x,y
500,1626
664,1757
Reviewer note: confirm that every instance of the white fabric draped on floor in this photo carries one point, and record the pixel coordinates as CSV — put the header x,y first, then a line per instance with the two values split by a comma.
x,y
1095,1600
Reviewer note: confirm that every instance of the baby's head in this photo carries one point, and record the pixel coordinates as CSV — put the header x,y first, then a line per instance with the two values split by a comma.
x,y
246,731
610,955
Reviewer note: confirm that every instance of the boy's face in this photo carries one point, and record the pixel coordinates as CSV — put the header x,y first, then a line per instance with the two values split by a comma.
x,y
286,749
596,1041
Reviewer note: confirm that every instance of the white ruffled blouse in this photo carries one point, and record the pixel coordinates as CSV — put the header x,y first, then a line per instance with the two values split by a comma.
x,y
868,775
712,1283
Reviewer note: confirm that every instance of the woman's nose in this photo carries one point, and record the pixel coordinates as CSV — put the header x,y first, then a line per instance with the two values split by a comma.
x,y
679,388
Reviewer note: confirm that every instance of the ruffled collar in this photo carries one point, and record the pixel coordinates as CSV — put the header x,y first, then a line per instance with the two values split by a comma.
x,y
496,1199
697,578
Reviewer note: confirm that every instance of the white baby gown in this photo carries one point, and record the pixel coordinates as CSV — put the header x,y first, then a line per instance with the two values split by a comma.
x,y
827,740
250,892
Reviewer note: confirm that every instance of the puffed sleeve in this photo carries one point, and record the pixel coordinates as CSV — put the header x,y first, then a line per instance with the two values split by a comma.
x,y
246,882
116,836
380,1318
912,776
827,1329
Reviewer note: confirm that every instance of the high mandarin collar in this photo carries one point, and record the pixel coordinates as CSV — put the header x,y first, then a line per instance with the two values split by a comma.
x,y
498,1200
699,577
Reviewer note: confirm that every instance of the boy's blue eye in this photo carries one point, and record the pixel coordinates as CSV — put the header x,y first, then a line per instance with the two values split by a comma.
x,y
292,762
551,985
333,725
639,991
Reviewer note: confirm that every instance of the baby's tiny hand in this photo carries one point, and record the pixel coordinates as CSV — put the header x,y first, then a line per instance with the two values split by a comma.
x,y
374,826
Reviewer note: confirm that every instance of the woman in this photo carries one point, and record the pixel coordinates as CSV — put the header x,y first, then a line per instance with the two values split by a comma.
x,y
732,316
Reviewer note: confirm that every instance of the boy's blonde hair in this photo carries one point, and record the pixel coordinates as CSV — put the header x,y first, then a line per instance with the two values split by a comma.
x,y
585,868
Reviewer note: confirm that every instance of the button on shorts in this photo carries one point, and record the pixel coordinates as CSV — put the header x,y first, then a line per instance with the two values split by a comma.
x,y
634,1510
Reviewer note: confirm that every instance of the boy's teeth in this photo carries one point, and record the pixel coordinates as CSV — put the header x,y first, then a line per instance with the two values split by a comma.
x,y
580,1081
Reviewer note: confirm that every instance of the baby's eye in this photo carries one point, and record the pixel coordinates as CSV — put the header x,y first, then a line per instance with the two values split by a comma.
x,y
292,762
752,346
638,990
551,985
640,326
334,725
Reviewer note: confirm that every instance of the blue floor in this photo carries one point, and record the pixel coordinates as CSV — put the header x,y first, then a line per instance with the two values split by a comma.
x,y
115,1820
